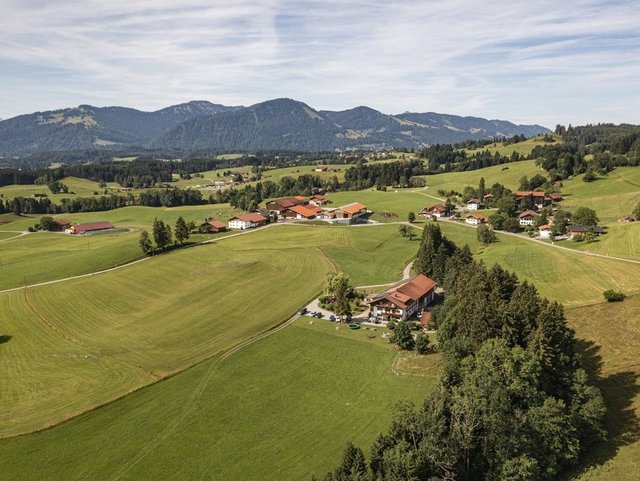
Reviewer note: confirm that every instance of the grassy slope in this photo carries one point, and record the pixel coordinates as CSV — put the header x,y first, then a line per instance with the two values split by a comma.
x,y
610,342
621,240
611,197
234,421
77,188
521,147
82,342
120,330
44,256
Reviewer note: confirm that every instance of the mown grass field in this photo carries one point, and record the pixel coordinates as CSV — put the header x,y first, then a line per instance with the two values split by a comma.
x,y
98,337
77,188
609,336
281,408
571,278
41,256
508,175
612,196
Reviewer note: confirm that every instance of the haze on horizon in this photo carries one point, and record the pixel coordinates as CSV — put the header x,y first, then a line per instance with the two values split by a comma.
x,y
536,62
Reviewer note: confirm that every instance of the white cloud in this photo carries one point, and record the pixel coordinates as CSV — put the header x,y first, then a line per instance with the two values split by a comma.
x,y
538,61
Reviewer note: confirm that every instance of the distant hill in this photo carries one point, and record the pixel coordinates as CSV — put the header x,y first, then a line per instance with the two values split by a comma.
x,y
274,124
88,127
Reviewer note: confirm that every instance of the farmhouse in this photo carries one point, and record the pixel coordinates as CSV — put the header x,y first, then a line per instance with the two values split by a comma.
x,y
247,221
63,223
317,200
475,219
487,198
302,212
347,214
437,210
538,199
213,226
528,217
403,300
280,205
580,230
545,231
88,227
473,204
555,197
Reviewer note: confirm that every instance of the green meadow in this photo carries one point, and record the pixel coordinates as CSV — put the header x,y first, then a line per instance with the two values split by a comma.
x,y
523,148
285,405
609,339
77,188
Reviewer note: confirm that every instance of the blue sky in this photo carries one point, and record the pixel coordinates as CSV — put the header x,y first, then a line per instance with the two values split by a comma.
x,y
538,61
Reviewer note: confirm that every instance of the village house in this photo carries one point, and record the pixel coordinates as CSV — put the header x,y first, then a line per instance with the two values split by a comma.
x,y
437,210
487,198
574,230
527,218
403,300
475,219
555,197
538,199
317,200
473,204
247,221
545,231
213,226
80,229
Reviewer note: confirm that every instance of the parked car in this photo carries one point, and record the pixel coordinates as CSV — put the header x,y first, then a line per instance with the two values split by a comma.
x,y
332,318
303,311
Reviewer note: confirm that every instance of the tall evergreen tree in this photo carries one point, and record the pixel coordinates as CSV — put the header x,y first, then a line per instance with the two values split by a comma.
x,y
145,243
181,230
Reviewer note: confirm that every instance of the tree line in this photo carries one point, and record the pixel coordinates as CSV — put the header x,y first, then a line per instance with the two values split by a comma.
x,y
513,400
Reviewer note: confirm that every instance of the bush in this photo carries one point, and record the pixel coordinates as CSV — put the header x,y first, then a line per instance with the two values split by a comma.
x,y
391,325
422,344
613,296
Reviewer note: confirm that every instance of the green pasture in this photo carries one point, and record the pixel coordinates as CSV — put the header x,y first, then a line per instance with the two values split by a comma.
x,y
621,240
611,196
570,278
281,408
77,188
523,148
508,175
44,256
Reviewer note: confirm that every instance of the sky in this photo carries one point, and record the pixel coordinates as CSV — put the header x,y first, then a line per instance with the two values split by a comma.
x,y
538,61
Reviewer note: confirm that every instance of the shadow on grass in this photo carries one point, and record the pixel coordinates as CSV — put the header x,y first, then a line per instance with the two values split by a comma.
x,y
619,390
5,338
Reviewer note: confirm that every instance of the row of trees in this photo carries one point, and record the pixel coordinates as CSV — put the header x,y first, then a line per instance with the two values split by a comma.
x,y
513,401
149,198
163,237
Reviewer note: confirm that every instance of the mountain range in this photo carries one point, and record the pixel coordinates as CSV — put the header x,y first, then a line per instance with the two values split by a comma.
x,y
274,124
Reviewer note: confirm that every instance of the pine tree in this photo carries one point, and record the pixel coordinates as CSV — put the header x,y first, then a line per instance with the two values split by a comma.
x,y
145,243
160,234
181,230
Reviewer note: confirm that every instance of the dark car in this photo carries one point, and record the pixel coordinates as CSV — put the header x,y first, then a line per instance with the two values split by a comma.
x,y
303,311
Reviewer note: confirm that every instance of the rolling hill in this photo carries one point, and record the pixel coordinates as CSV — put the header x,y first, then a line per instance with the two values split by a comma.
x,y
274,124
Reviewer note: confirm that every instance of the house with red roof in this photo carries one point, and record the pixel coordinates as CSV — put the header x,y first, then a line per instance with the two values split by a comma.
x,y
317,200
545,231
403,300
475,219
213,226
247,221
302,212
528,217
280,205
347,214
437,210
88,227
